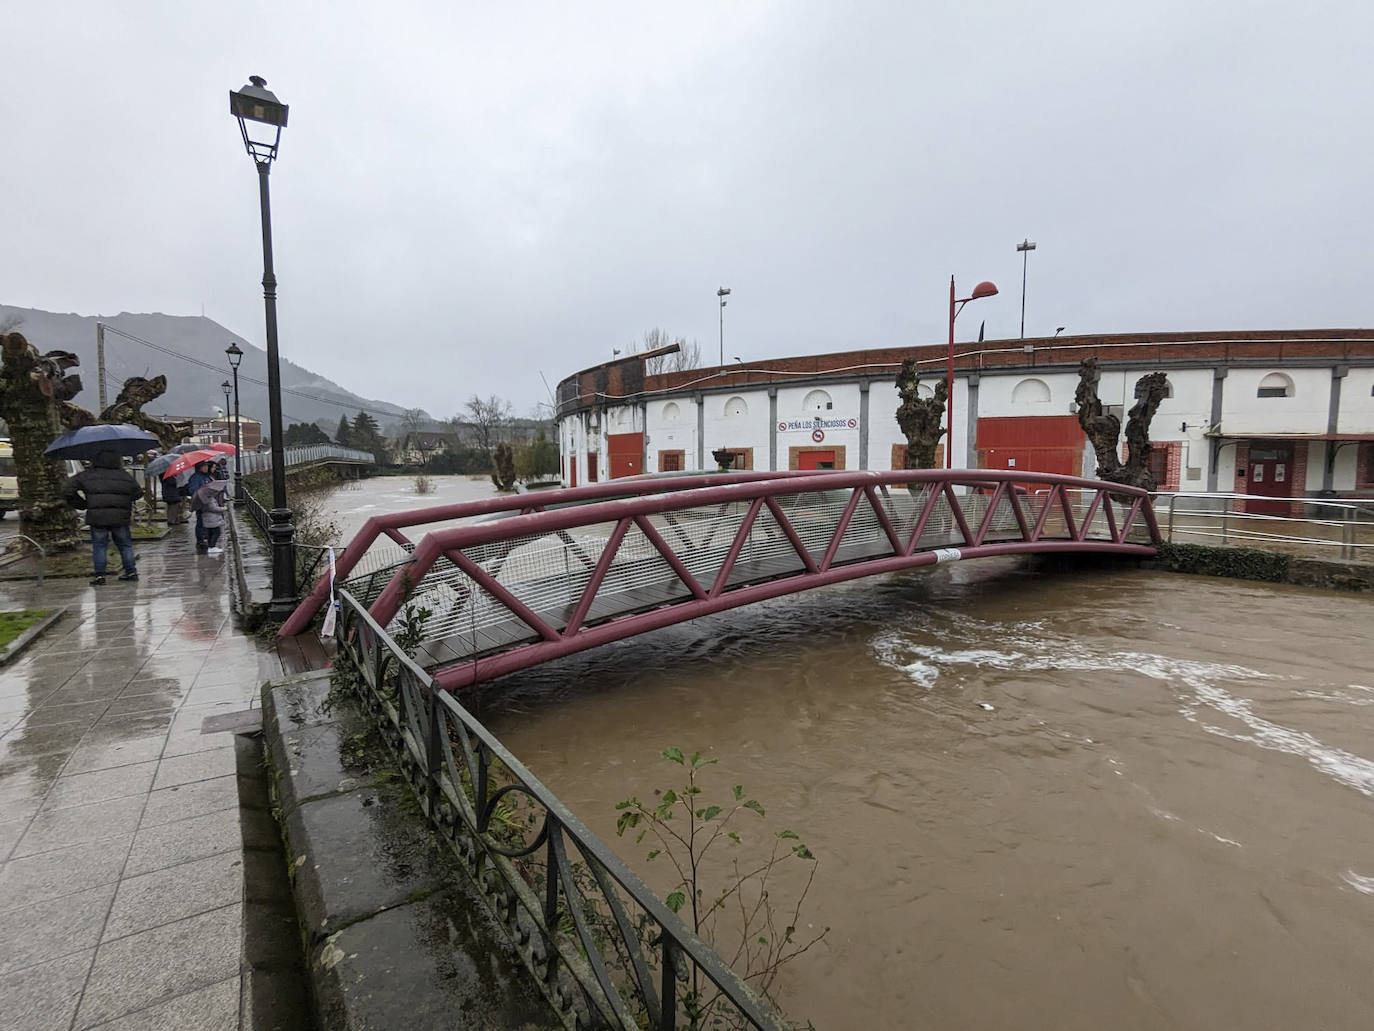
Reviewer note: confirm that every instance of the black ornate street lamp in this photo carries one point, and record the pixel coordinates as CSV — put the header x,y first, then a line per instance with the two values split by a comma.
x,y
235,354
256,104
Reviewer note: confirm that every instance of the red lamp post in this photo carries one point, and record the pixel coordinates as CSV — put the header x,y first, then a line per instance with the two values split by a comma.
x,y
983,289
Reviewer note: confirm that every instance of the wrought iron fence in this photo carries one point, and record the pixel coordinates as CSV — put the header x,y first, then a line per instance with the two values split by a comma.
x,y
604,950
256,510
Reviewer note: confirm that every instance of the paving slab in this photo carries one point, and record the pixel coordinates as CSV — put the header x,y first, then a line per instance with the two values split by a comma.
x,y
121,846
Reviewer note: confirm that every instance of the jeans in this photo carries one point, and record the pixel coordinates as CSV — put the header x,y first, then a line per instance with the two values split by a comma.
x,y
100,541
212,536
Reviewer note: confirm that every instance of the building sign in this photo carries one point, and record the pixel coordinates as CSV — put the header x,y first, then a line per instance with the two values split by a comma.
x,y
810,425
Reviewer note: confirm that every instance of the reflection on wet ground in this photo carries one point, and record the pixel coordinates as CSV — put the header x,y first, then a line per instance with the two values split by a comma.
x,y
121,883
1104,799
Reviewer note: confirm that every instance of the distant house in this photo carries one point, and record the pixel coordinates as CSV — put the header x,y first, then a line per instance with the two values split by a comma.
x,y
417,448
216,429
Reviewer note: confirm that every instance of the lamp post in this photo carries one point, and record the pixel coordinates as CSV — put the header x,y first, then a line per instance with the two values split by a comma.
x,y
256,104
235,354
1025,247
722,293
983,289
227,432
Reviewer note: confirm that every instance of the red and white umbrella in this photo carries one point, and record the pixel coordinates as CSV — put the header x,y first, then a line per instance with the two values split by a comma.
x,y
189,461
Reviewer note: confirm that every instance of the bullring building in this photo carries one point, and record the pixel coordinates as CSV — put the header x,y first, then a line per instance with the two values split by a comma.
x,y
1281,415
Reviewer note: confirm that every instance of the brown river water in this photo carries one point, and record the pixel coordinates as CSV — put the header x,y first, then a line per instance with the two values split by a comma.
x,y
1089,799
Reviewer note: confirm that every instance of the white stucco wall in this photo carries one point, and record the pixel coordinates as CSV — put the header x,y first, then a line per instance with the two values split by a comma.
x,y
1243,412
736,420
1357,404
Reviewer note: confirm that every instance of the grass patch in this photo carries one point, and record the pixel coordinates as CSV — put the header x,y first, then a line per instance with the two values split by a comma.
x,y
12,624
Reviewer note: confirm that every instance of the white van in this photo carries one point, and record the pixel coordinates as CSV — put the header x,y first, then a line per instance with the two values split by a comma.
x,y
9,480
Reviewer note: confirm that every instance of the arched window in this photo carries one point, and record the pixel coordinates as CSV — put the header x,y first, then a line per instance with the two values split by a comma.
x,y
671,412
735,407
1276,384
1030,391
816,402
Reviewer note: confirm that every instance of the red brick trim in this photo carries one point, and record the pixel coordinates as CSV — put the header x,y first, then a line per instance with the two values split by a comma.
x,y
1364,467
794,455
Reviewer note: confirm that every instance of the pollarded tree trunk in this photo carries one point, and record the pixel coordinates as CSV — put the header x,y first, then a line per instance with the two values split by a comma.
x,y
919,417
503,467
34,401
128,408
1104,429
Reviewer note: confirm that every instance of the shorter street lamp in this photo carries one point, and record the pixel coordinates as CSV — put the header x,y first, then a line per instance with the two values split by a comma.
x,y
983,289
235,354
228,433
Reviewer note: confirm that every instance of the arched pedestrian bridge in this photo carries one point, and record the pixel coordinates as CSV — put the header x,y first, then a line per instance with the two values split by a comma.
x,y
511,582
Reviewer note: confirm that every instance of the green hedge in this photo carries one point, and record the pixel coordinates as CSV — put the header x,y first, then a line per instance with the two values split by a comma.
x,y
1238,563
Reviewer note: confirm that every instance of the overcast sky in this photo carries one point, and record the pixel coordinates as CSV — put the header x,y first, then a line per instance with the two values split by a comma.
x,y
470,194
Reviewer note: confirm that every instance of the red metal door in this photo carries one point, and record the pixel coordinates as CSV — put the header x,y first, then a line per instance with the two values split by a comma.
x,y
1271,474
816,460
1038,443
626,454
591,467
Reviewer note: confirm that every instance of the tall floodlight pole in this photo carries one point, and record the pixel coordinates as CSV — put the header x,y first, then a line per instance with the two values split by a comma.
x,y
1025,247
235,354
984,289
256,104
722,293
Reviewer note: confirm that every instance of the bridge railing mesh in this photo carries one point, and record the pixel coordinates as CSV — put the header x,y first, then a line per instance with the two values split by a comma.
x,y
547,573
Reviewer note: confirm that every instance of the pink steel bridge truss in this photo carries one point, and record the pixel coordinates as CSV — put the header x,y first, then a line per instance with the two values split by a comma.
x,y
557,572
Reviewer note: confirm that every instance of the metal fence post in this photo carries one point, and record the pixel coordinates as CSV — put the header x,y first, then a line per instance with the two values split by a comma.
x,y
1172,499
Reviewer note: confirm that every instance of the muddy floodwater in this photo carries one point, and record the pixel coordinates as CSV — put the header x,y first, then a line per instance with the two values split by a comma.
x,y
1092,799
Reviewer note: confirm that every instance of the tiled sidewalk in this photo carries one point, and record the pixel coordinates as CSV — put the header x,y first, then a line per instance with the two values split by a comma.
x,y
121,886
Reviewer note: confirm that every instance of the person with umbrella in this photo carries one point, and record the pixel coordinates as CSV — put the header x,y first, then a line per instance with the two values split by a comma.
x,y
172,497
209,502
107,492
204,474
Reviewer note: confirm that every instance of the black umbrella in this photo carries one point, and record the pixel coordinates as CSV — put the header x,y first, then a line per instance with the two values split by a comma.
x,y
88,441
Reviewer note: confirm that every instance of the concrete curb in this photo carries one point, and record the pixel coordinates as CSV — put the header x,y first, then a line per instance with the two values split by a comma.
x,y
392,934
27,637
250,606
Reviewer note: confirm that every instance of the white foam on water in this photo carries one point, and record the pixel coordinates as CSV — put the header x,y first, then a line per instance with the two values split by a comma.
x,y
1364,885
916,655
1218,837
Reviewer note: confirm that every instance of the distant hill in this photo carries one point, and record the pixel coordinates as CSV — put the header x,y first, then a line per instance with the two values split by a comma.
x,y
192,388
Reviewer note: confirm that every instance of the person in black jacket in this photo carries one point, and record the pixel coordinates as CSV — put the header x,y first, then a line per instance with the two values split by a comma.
x,y
107,493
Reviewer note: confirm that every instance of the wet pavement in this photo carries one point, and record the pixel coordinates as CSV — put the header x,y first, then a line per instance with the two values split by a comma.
x,y
121,887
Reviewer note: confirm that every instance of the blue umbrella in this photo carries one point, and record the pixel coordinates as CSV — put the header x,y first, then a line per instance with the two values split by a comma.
x,y
88,441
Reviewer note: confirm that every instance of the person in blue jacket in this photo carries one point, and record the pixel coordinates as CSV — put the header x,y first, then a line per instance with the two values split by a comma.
x,y
198,479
